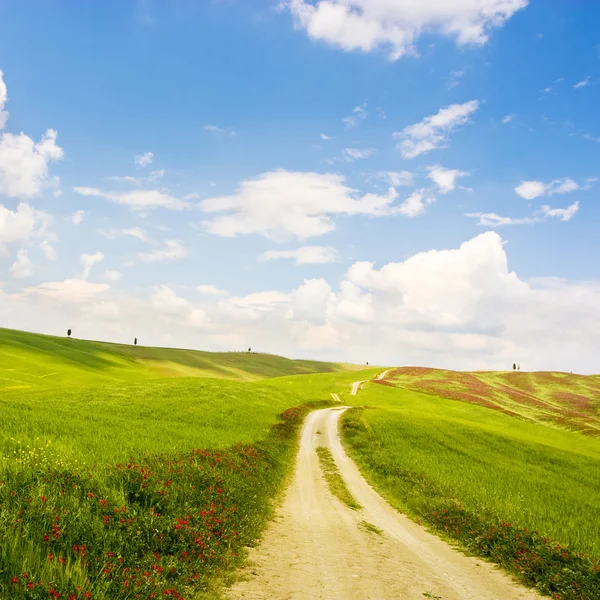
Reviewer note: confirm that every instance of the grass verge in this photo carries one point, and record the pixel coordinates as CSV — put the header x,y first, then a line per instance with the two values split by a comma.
x,y
522,495
334,480
161,525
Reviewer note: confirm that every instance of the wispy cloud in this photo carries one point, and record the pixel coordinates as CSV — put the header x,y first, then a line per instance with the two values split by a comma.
x,y
359,113
583,83
143,160
432,132
220,131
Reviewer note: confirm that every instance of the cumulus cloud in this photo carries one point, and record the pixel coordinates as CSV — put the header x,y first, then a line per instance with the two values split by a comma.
x,y
24,164
444,178
22,267
88,261
281,205
529,190
3,99
165,300
171,250
394,26
144,160
307,255
137,200
415,204
324,136
21,224
460,307
432,132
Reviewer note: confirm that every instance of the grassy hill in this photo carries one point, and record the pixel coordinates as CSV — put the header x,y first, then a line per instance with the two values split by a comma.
x,y
33,362
131,472
505,464
561,399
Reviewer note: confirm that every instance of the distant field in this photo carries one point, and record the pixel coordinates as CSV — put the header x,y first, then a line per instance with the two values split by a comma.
x,y
562,399
488,469
32,362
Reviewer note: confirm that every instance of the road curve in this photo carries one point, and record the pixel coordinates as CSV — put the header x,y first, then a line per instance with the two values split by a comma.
x,y
316,549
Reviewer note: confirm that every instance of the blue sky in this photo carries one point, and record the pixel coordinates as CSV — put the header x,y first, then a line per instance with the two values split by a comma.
x,y
455,142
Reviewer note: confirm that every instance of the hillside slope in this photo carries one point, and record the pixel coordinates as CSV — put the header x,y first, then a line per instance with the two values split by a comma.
x,y
32,361
565,400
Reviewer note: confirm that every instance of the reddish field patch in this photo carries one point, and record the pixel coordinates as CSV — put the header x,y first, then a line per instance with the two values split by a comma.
x,y
578,396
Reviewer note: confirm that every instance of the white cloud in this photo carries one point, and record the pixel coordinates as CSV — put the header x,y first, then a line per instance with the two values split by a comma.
x,y
396,25
324,137
352,154
24,164
543,214
534,189
397,178
415,204
165,300
432,132
171,250
382,114
282,205
48,250
144,160
459,307
564,214
583,83
134,232
22,267
455,77
21,224
77,217
71,291
138,181
112,275
359,113
444,178
211,290
3,99
268,301
136,200
307,255
219,131
495,220
88,261
507,119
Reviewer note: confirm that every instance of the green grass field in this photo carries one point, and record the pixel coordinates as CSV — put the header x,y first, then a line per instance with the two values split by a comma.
x,y
120,480
130,472
33,362
485,478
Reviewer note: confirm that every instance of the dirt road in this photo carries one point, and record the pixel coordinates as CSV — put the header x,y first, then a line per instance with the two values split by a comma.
x,y
318,549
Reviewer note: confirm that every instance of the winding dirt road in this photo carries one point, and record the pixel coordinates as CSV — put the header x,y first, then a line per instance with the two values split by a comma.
x,y
317,548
